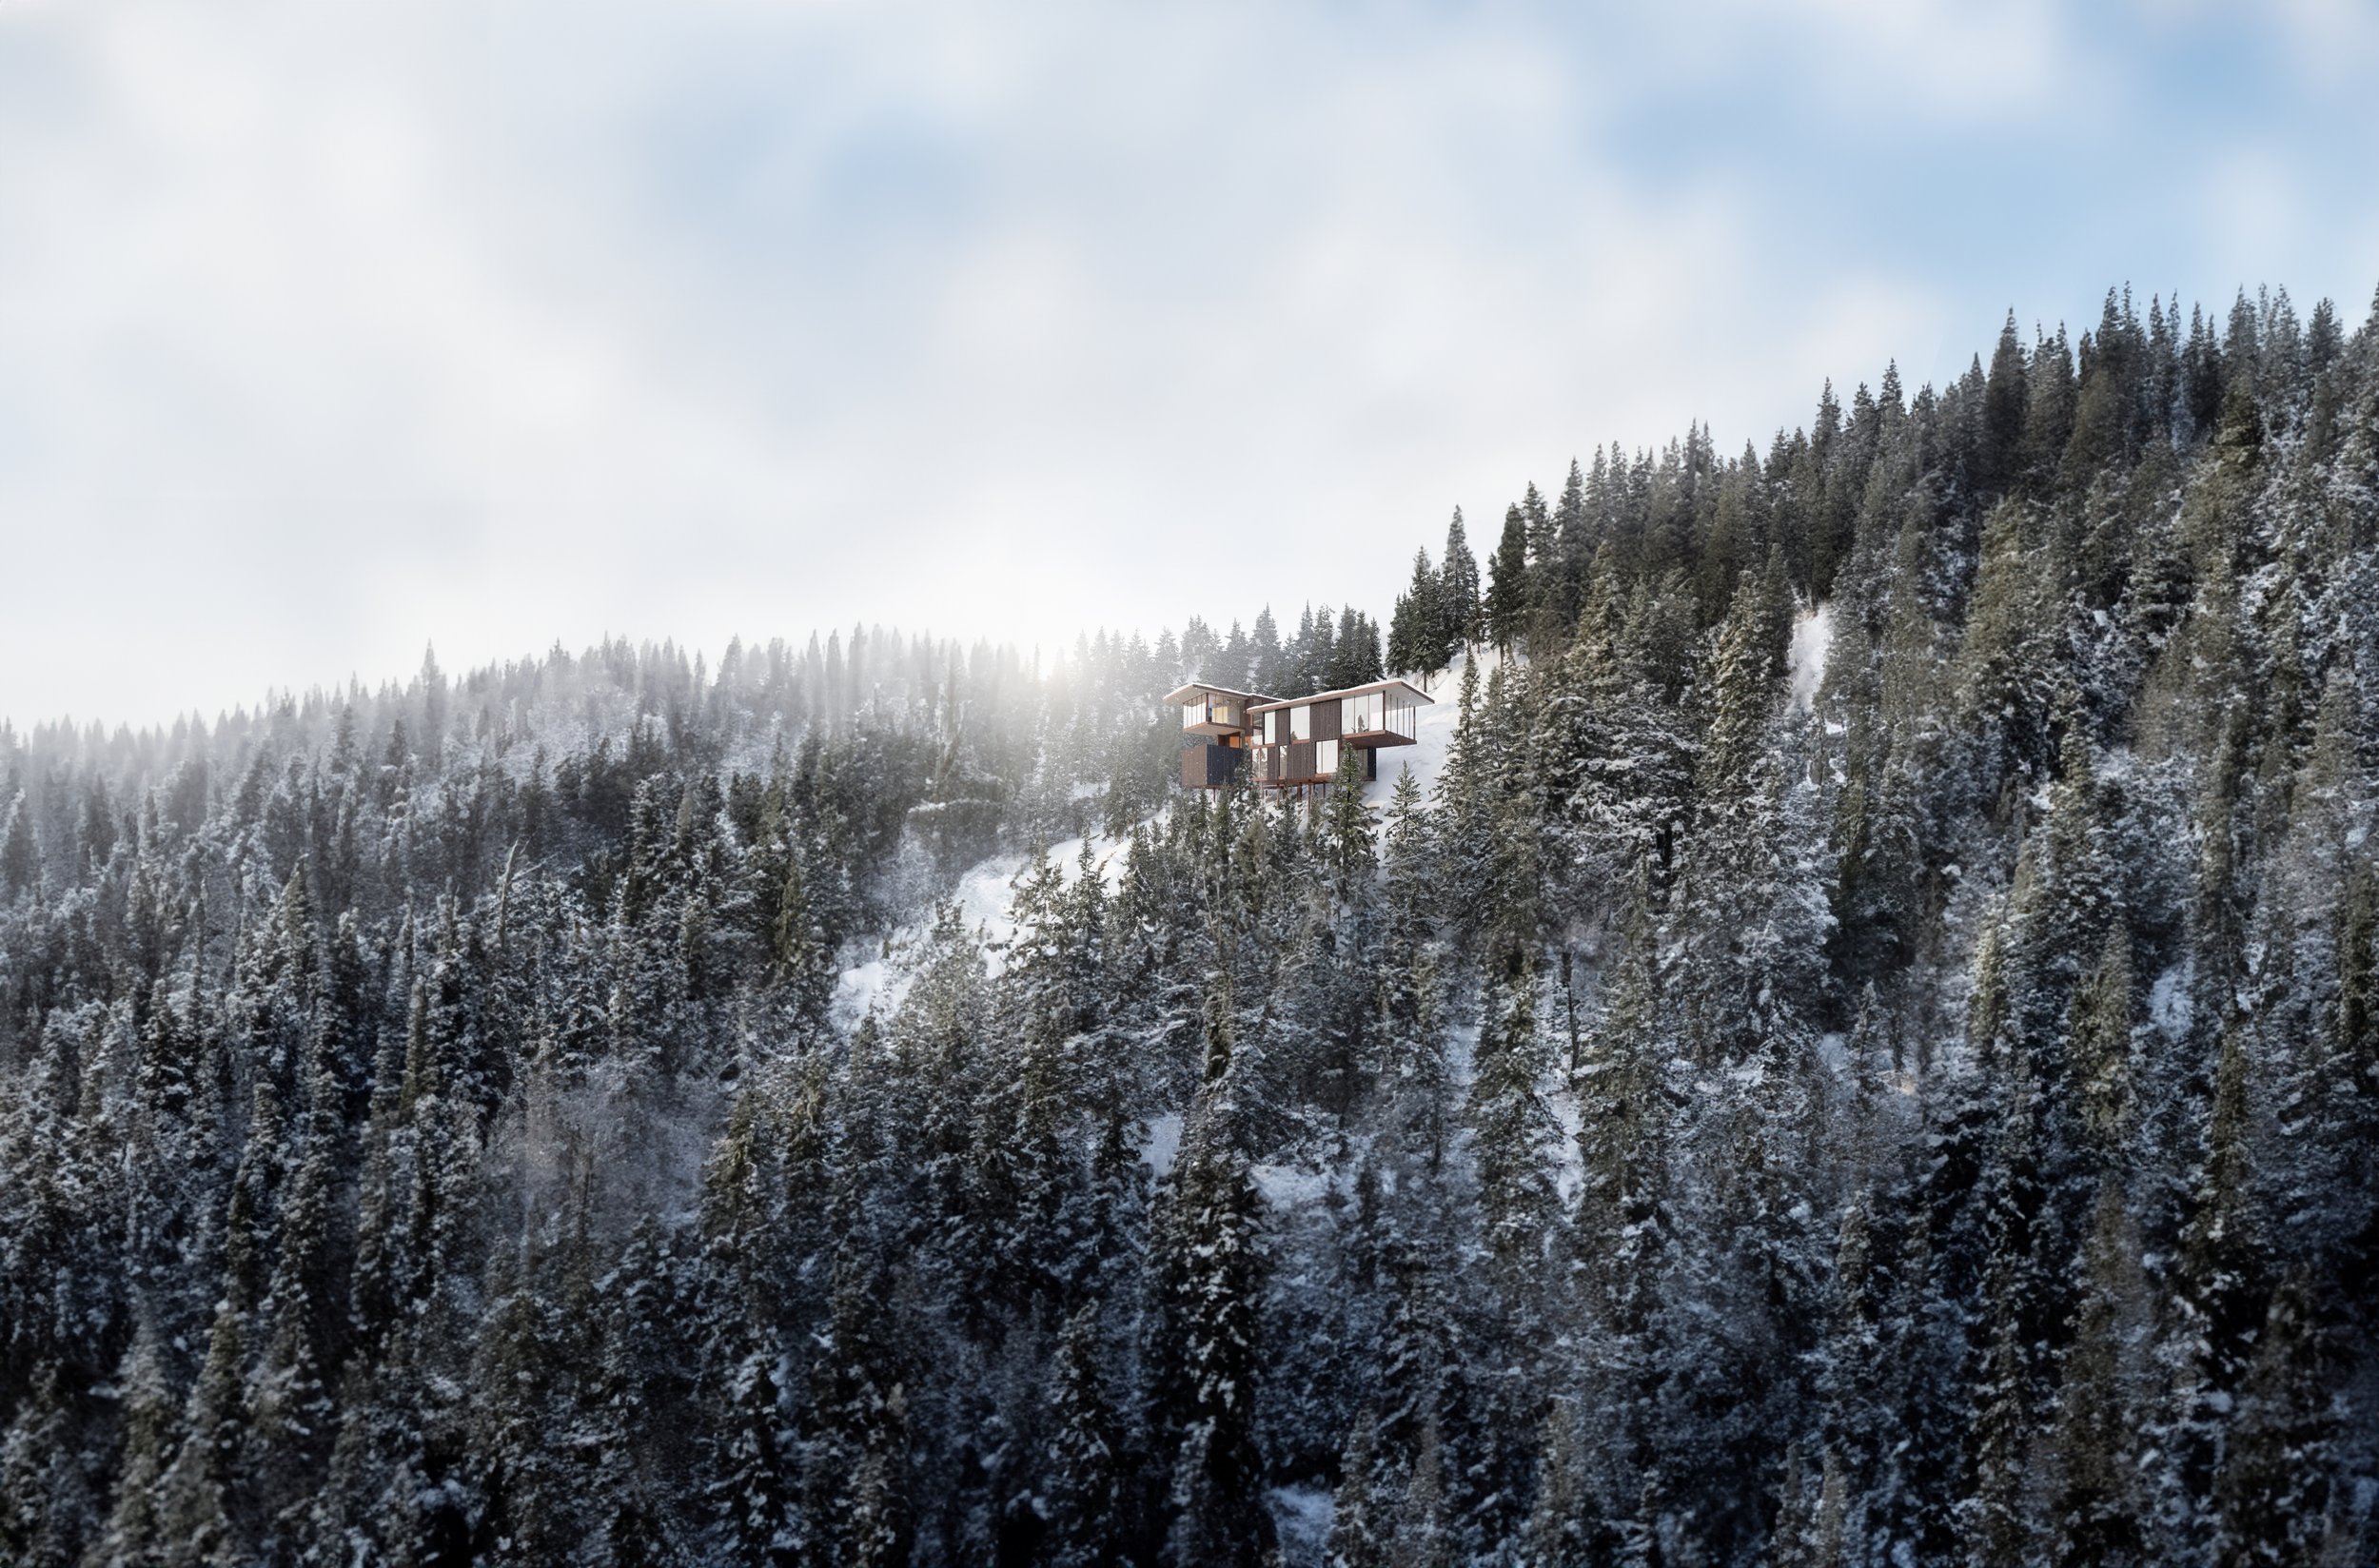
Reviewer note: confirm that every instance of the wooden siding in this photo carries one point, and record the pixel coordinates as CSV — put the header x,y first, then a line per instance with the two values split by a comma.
x,y
1380,713
1209,767
1295,763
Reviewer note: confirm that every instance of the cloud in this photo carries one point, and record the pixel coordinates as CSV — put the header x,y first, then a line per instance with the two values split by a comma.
x,y
1945,61
2335,42
326,332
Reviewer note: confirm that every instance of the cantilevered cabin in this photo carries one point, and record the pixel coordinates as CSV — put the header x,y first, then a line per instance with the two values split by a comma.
x,y
1215,719
1291,741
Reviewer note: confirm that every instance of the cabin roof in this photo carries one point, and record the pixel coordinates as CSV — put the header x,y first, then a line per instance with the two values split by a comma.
x,y
1268,704
1183,696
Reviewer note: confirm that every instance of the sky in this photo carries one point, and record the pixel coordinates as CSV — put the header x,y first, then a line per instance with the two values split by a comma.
x,y
331,331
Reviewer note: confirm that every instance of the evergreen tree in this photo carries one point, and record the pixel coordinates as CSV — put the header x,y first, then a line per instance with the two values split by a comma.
x,y
1461,612
1086,1461
1212,1272
1511,593
1514,1129
2097,1508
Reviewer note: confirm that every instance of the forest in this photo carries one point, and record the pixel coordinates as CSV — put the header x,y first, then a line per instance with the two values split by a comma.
x,y
562,1112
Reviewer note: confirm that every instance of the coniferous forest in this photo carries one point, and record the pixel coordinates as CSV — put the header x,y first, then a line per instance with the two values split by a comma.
x,y
560,1114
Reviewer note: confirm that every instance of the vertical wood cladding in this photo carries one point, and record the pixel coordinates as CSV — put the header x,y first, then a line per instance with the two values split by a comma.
x,y
1206,767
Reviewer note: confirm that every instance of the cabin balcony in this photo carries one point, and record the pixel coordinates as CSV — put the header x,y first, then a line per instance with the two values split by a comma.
x,y
1376,718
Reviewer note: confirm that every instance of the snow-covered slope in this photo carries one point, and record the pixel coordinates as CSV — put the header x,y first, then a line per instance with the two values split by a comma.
x,y
986,896
1813,638
1426,756
986,892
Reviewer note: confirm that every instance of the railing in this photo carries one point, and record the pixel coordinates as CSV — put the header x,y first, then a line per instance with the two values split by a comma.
x,y
1379,713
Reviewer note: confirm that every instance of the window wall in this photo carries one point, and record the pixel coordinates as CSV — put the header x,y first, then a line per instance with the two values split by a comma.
x,y
1393,713
1212,710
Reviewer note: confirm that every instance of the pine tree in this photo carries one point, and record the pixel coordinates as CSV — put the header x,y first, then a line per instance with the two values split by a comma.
x,y
1745,688
289,1392
1418,641
1349,834
2277,1497
858,1407
1622,1098
2214,1298
2097,1507
1464,799
150,1440
1461,614
195,1495
2101,1048
1996,1511
1358,1537
20,866
1513,1129
1425,1536
754,1488
1086,1461
1212,1267
1511,593
804,963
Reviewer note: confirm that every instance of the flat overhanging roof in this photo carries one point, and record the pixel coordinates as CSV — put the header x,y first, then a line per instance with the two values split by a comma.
x,y
1268,704
1183,696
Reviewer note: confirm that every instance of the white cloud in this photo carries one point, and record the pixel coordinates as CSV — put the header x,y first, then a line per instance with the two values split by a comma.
x,y
326,331
1964,59
2335,42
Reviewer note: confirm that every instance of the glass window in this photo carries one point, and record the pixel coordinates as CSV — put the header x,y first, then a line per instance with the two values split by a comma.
x,y
1325,758
1301,722
1360,714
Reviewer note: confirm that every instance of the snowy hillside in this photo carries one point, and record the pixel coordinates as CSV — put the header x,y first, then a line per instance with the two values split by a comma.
x,y
1872,1058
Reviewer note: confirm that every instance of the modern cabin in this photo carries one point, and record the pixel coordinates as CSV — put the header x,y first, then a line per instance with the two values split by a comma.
x,y
1292,742
1215,719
